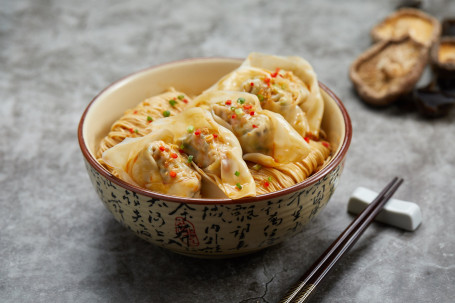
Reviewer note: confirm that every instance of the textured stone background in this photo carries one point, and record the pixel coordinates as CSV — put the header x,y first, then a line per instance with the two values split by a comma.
x,y
57,241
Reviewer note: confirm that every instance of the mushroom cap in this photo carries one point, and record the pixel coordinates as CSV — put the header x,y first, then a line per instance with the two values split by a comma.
x,y
388,69
408,22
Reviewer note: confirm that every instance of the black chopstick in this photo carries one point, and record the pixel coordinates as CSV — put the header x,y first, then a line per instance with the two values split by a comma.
x,y
305,287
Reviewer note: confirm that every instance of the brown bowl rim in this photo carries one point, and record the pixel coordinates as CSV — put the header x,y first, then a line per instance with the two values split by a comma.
x,y
334,162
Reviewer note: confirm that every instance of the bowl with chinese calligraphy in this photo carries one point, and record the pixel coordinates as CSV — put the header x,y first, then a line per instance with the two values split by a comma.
x,y
206,227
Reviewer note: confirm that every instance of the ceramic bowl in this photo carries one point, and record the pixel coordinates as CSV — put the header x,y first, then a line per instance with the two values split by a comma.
x,y
208,228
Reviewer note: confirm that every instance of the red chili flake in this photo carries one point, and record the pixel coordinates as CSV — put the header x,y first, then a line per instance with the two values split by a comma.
x,y
135,112
266,184
267,81
275,73
251,113
252,84
174,155
307,139
173,174
255,126
197,132
326,144
131,130
247,106
215,135
181,151
162,148
228,102
185,101
234,116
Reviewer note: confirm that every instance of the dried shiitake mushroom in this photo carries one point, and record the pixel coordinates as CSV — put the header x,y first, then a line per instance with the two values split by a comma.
x,y
443,52
433,102
409,3
448,27
408,22
388,70
443,62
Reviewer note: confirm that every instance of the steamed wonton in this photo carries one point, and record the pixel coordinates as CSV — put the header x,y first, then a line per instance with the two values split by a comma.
x,y
266,137
154,162
215,151
284,85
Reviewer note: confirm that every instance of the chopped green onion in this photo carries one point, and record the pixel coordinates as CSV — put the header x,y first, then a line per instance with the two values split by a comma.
x,y
180,97
241,100
237,173
257,167
190,158
260,97
269,179
172,102
238,186
182,146
166,113
149,119
238,111
190,129
232,108
136,131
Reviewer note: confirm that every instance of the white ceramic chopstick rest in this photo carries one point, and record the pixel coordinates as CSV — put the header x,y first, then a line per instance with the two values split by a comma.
x,y
402,214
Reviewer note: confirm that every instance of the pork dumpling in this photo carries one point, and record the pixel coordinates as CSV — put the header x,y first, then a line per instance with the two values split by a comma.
x,y
154,162
266,137
284,85
215,151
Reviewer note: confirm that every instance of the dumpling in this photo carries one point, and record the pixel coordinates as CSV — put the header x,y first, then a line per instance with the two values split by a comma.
x,y
214,150
265,137
134,122
284,85
155,163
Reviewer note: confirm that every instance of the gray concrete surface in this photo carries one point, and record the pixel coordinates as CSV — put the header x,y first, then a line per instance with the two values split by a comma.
x,y
59,244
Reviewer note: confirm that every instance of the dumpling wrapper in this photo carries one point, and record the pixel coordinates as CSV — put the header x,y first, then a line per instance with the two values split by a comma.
x,y
265,137
215,151
301,105
141,162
